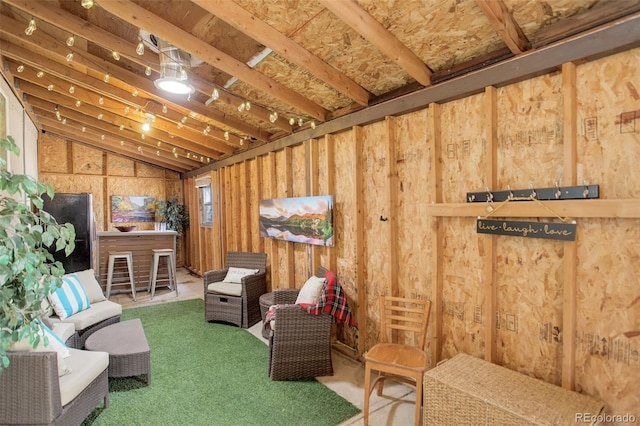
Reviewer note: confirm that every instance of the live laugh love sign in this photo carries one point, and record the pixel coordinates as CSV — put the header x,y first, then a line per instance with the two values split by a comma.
x,y
547,230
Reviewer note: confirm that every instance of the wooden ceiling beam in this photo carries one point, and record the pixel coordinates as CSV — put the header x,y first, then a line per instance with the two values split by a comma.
x,y
79,27
112,111
109,145
364,24
142,18
502,20
235,15
13,31
75,122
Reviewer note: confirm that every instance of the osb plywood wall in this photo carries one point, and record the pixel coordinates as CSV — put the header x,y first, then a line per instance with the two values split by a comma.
x,y
565,312
75,168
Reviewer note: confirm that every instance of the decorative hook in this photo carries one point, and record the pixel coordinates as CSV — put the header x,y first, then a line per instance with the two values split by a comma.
x,y
472,198
533,191
585,193
558,192
510,192
489,195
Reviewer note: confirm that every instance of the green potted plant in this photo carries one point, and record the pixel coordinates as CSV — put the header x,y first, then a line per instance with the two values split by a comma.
x,y
28,272
174,214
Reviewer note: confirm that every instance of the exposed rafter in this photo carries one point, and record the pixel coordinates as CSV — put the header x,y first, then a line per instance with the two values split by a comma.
x,y
502,20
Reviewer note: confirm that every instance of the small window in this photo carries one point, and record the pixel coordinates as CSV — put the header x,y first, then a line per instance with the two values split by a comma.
x,y
206,206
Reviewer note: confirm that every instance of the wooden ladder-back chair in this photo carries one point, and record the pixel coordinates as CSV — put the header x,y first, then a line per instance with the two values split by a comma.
x,y
395,361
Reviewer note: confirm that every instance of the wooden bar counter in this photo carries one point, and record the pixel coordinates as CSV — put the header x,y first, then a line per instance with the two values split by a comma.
x,y
140,243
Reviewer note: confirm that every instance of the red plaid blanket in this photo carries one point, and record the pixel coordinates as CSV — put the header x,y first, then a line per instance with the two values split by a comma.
x,y
332,301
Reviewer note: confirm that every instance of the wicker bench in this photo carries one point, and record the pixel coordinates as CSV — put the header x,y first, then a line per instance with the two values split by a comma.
x,y
470,391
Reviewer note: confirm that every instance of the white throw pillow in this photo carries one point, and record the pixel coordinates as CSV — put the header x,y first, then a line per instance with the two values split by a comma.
x,y
70,298
311,291
234,275
55,344
90,284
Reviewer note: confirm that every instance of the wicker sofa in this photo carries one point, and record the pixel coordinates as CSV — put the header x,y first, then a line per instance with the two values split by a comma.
x,y
33,392
102,313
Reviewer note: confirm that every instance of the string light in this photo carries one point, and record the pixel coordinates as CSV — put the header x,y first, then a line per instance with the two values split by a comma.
x,y
180,125
64,121
72,89
78,103
300,122
121,143
102,136
106,78
100,116
31,28
147,71
184,120
135,92
71,40
215,94
84,129
140,48
226,136
273,117
115,55
101,100
20,68
313,124
292,121
69,57
121,127
50,87
87,4
40,74
164,109
126,109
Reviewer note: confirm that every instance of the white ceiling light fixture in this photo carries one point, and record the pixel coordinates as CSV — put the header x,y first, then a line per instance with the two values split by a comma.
x,y
174,64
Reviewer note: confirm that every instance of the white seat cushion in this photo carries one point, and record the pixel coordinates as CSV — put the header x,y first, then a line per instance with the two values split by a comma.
x,y
230,289
85,367
63,330
98,312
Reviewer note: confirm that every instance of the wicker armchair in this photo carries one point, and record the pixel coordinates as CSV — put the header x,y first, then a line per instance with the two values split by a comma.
x,y
300,345
242,310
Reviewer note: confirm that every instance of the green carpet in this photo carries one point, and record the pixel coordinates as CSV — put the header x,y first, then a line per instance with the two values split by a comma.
x,y
211,374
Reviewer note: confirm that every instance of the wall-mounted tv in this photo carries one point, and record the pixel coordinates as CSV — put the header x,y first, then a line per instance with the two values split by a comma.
x,y
299,219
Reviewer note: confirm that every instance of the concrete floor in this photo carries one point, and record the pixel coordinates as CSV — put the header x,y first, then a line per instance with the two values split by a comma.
x,y
395,407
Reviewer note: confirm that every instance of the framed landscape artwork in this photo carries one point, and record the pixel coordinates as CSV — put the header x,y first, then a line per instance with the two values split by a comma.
x,y
299,219
132,209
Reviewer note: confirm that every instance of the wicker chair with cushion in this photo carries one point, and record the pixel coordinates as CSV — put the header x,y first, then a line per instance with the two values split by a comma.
x,y
232,294
300,341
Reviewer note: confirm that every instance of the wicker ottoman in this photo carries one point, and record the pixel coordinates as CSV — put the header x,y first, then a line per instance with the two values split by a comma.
x,y
466,390
126,343
266,300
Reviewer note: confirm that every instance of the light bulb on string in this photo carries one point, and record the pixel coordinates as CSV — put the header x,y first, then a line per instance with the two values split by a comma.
x,y
215,94
84,129
69,57
72,89
101,100
226,136
121,127
71,40
100,116
78,103
140,48
164,109
102,136
313,124
31,28
184,120
64,120
292,121
135,92
147,71
115,55
40,74
50,87
87,4
20,68
106,78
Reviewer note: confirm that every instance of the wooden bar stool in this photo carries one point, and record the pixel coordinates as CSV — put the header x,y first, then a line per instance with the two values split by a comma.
x,y
169,255
113,257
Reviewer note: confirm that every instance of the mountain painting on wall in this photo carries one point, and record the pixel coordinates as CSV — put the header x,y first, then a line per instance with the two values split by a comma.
x,y
299,219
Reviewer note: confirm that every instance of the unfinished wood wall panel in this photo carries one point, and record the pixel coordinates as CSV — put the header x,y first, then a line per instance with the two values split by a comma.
x,y
609,125
255,186
301,252
413,165
53,155
87,160
529,271
462,154
376,222
145,170
345,168
608,272
463,294
530,133
118,166
608,320
463,148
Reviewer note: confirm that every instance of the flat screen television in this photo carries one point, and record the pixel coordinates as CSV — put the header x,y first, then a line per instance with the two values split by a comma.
x,y
298,219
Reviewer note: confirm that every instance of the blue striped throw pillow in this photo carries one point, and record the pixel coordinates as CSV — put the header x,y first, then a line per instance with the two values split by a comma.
x,y
70,298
